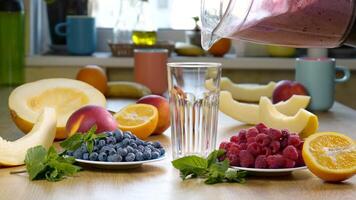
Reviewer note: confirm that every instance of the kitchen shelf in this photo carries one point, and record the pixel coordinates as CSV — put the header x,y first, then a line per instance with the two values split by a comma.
x,y
229,62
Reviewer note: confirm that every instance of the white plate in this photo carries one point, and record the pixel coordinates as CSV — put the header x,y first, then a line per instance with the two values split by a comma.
x,y
270,172
117,165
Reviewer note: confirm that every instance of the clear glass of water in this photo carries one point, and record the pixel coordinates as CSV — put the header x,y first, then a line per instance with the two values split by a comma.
x,y
194,108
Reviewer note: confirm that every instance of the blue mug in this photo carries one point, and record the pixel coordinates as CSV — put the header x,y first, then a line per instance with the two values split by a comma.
x,y
318,75
80,33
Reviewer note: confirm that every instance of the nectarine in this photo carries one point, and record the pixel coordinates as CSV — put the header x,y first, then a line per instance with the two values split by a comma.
x,y
162,106
88,116
285,90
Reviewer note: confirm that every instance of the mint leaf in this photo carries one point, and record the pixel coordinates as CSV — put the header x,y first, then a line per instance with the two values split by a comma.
x,y
213,156
35,161
233,175
72,143
191,166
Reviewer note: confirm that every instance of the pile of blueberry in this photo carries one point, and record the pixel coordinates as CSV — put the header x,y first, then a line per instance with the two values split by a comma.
x,y
119,146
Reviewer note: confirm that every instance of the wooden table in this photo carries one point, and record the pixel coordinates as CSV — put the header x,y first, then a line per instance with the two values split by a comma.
x,y
161,181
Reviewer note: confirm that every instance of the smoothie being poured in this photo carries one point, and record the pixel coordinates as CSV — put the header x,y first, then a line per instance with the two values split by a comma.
x,y
297,23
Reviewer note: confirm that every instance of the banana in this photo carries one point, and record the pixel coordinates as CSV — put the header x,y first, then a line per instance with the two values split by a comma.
x,y
185,49
127,89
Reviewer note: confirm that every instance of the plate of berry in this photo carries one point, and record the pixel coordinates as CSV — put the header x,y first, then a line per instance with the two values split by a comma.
x,y
118,150
261,150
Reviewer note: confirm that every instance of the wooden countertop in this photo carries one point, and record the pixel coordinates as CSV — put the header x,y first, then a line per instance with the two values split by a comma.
x,y
161,181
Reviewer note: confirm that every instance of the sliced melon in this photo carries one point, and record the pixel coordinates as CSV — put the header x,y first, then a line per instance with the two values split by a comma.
x,y
244,92
249,113
43,133
303,122
64,95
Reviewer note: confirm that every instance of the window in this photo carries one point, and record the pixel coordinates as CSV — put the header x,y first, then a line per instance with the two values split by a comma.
x,y
174,14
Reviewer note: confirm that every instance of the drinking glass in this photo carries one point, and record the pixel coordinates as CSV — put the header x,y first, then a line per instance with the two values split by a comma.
x,y
194,108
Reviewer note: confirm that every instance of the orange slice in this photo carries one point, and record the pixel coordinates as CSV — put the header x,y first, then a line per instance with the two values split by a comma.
x,y
140,119
330,156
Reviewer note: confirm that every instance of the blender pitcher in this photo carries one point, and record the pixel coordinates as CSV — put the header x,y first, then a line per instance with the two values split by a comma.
x,y
296,23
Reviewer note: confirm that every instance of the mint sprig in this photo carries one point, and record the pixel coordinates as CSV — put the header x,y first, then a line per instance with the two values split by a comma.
x,y
75,141
210,169
43,164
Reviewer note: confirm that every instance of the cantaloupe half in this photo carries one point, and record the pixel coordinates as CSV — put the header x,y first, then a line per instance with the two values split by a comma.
x,y
43,133
249,113
303,122
244,92
64,95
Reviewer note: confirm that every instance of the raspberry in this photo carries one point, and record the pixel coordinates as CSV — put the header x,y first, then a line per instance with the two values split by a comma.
x,y
294,140
266,151
234,139
263,139
260,127
300,146
290,152
254,149
265,131
275,161
234,159
299,162
275,134
246,159
284,143
285,133
251,140
275,146
228,145
288,163
261,162
223,145
251,132
242,135
243,146
233,150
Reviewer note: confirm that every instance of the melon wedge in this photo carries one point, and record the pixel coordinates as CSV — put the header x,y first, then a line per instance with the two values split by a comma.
x,y
249,113
64,95
43,133
244,92
303,122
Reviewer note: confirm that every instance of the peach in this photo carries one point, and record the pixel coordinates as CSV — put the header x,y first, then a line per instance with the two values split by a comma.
x,y
88,116
162,106
285,89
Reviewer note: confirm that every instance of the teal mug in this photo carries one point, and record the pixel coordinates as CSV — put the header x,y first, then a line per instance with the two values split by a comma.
x,y
318,75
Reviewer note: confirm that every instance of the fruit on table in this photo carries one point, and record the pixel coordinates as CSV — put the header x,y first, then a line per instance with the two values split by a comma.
x,y
162,106
330,156
263,147
186,49
244,92
286,88
127,89
94,76
249,113
119,146
42,133
140,119
303,122
64,95
86,117
220,48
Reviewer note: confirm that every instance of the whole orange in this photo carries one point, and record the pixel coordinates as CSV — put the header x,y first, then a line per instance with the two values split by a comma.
x,y
220,48
94,76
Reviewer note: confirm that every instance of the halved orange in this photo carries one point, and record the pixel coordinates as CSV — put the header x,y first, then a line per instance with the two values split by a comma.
x,y
330,156
140,119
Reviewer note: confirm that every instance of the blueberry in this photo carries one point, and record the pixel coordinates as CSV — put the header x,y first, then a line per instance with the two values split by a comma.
x,y
133,145
114,158
111,145
129,149
151,147
118,135
138,156
93,156
139,142
109,134
157,145
132,141
135,151
118,145
147,155
78,153
157,151
70,153
83,148
109,140
105,149
112,151
147,149
125,142
155,155
130,157
162,151
86,156
127,135
101,143
102,156
122,152
95,148
141,148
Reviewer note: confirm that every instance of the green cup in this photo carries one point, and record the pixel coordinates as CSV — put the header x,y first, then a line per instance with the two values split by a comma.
x,y
318,75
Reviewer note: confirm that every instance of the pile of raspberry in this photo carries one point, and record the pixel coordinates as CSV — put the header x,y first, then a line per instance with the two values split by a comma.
x,y
263,147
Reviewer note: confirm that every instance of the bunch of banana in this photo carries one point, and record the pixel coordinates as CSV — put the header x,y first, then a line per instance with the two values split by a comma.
x,y
126,89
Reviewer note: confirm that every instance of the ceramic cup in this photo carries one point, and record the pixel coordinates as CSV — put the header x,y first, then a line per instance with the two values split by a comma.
x,y
80,33
318,75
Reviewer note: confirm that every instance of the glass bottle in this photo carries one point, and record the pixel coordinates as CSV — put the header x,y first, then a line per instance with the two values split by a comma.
x,y
125,22
12,42
145,31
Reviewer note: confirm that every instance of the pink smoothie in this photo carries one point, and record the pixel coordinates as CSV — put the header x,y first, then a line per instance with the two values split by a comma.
x,y
299,23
